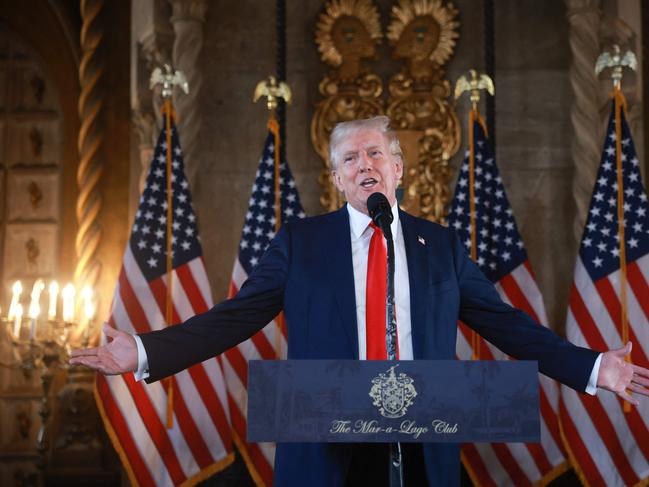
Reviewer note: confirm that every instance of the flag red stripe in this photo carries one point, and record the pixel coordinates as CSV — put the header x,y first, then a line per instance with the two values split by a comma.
x,y
199,375
264,347
191,289
550,418
594,407
239,364
132,305
640,287
585,321
212,402
477,465
201,381
199,449
578,447
203,385
516,296
159,290
263,467
510,464
612,303
123,433
606,430
156,429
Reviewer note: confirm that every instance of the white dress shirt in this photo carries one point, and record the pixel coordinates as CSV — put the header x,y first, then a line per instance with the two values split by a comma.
x,y
361,234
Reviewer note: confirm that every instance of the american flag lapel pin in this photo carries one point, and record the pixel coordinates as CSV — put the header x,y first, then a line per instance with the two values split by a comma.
x,y
421,240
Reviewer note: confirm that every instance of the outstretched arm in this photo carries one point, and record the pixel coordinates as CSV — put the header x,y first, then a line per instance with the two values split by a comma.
x,y
618,376
118,356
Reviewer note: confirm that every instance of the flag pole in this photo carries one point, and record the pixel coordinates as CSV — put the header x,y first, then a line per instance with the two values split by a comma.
x,y
274,92
473,82
168,78
617,61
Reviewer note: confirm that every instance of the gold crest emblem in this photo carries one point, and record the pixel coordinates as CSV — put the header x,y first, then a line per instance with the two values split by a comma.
x,y
392,393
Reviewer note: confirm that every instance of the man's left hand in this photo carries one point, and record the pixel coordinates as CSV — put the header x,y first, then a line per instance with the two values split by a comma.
x,y
618,375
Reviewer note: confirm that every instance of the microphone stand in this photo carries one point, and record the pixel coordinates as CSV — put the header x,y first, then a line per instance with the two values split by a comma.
x,y
396,463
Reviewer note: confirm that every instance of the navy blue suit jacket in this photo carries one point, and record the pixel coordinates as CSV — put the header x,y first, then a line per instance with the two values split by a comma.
x,y
307,271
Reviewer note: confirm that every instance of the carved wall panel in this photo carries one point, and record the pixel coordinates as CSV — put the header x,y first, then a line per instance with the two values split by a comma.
x,y
17,431
33,195
30,250
34,139
30,161
422,34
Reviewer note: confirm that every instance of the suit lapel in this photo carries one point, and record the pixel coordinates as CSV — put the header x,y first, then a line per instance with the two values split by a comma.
x,y
341,272
417,255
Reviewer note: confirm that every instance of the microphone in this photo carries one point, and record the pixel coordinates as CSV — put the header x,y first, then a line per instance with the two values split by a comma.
x,y
380,212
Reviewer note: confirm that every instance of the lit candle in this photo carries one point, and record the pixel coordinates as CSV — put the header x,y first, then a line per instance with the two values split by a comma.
x,y
18,319
35,306
68,303
16,289
54,292
88,305
35,303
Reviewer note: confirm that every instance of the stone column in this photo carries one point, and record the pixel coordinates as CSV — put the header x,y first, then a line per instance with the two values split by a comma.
x,y
187,20
585,19
152,39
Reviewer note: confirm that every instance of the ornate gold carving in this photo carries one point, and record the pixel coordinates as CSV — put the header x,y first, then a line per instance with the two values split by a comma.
x,y
35,194
347,34
423,33
32,251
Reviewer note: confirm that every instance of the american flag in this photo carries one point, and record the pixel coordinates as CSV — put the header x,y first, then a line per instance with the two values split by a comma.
x,y
501,255
134,413
269,343
606,445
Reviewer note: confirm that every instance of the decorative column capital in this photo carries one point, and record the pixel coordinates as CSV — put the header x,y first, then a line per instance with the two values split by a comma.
x,y
577,7
188,10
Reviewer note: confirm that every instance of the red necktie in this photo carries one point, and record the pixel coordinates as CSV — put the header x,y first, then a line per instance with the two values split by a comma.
x,y
377,275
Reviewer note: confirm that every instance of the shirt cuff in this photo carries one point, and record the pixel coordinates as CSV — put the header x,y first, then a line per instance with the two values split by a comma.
x,y
591,388
142,371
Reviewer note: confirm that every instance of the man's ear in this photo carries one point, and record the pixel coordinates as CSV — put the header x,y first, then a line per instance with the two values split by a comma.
x,y
336,178
399,168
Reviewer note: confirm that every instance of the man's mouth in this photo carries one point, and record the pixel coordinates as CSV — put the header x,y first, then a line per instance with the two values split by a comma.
x,y
369,183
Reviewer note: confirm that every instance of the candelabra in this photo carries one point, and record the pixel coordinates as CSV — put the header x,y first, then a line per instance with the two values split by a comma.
x,y
44,343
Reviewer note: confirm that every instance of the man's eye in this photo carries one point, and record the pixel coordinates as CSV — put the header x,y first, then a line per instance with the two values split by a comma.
x,y
375,153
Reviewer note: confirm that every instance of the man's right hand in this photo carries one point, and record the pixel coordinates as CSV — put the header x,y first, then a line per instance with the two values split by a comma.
x,y
118,356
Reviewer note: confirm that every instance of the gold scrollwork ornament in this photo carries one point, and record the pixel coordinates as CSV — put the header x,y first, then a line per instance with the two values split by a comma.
x,y
347,34
423,33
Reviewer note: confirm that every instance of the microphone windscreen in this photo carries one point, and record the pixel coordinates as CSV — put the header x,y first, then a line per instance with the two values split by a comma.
x,y
379,209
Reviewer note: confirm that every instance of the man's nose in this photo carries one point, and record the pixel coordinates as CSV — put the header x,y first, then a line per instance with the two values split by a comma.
x,y
366,163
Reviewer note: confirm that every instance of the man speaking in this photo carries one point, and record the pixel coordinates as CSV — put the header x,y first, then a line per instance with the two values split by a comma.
x,y
327,274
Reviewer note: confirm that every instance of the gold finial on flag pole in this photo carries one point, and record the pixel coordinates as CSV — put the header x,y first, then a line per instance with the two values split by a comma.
x,y
272,90
616,60
168,78
473,82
